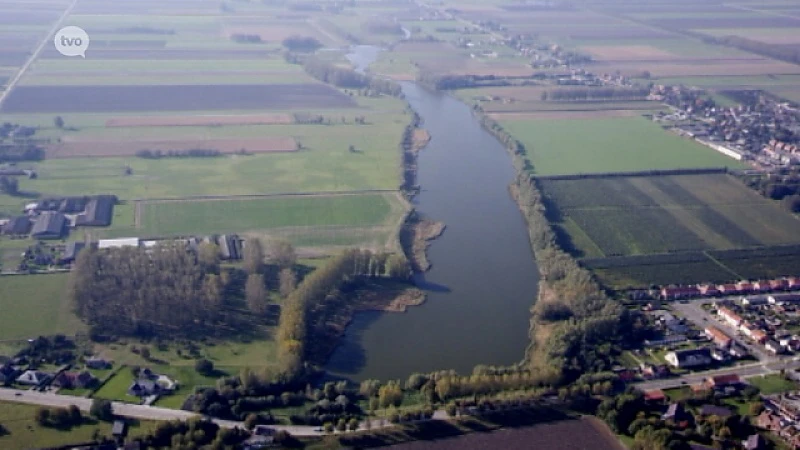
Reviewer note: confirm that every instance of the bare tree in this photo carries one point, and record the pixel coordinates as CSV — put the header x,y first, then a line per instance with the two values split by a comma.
x,y
253,255
282,253
255,293
288,281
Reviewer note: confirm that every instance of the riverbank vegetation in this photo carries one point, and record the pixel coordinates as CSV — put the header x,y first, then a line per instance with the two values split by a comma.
x,y
575,327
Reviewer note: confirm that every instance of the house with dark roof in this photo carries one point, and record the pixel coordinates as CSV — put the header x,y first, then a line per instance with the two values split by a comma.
x,y
98,363
49,225
677,413
723,381
17,226
689,358
71,251
755,442
714,410
144,388
98,213
33,378
74,380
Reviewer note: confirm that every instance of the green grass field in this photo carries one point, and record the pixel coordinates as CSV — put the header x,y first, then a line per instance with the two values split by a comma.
x,y
608,145
117,388
25,433
772,384
685,229
231,215
33,305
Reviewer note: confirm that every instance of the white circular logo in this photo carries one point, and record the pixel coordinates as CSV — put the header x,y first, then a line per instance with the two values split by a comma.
x,y
72,41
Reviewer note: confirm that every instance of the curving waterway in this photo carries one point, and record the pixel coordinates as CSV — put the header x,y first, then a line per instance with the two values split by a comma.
x,y
483,280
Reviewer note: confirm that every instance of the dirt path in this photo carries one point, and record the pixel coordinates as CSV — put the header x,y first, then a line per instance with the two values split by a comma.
x,y
137,214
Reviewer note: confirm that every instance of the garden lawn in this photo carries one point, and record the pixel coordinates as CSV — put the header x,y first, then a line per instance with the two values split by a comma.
x,y
559,147
117,388
25,433
772,384
34,305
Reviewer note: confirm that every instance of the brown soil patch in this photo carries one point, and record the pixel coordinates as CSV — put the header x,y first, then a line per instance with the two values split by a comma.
x,y
572,434
419,139
627,52
219,120
558,115
82,148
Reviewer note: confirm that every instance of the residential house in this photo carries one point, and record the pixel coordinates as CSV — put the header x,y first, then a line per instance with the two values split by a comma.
x,y
144,388
779,285
97,363
745,286
728,289
784,299
755,300
713,410
655,396
689,358
74,380
729,316
650,371
681,292
719,337
738,351
49,225
768,421
723,381
677,413
774,347
708,290
755,442
756,334
33,378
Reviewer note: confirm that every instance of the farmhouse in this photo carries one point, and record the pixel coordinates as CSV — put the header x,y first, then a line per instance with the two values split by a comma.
x,y
98,213
74,380
49,225
721,339
17,226
689,358
33,378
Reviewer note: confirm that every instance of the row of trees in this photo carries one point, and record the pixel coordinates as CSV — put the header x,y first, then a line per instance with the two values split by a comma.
x,y
191,153
316,287
595,94
9,185
160,291
302,44
59,417
784,187
350,79
582,321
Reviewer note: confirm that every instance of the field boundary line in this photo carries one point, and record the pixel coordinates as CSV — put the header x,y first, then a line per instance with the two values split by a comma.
x,y
723,266
256,196
13,82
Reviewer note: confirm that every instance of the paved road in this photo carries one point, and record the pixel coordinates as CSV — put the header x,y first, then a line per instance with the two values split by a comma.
x,y
156,413
693,312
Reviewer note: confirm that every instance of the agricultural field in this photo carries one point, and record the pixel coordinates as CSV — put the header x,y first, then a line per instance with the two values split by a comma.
x,y
25,433
607,145
641,230
34,305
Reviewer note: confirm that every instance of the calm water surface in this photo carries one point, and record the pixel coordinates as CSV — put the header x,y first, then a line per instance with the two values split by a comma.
x,y
483,281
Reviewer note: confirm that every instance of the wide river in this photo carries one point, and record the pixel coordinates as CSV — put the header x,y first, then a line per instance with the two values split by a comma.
x,y
483,280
